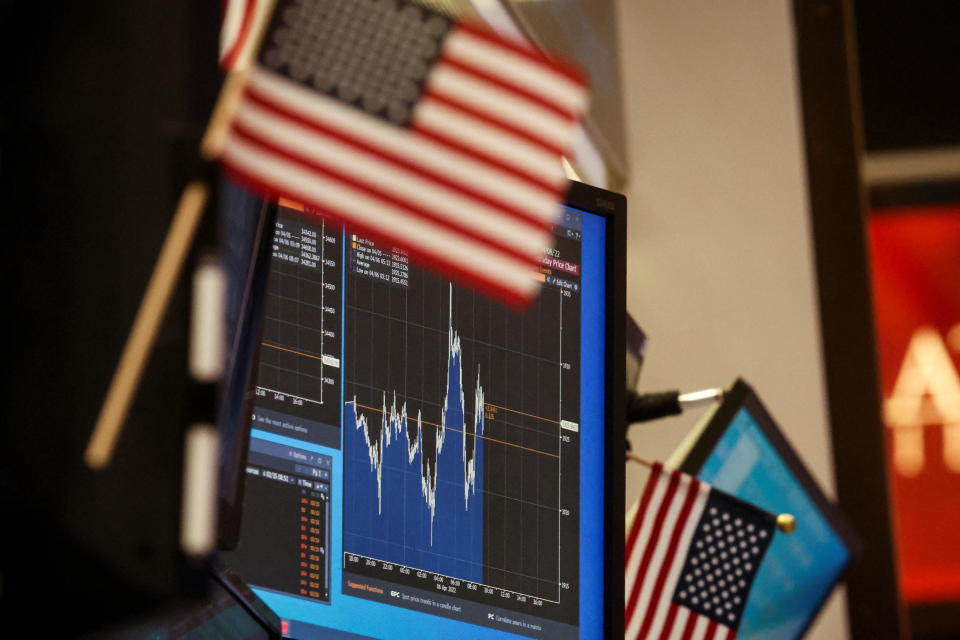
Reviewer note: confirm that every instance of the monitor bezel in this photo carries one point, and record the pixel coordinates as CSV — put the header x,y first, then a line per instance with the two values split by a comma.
x,y
613,207
742,396
237,389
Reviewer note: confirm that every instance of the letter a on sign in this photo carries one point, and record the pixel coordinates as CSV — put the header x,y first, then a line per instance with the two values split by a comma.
x,y
927,393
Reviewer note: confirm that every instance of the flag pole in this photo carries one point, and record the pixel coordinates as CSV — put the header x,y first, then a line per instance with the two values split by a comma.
x,y
641,461
173,255
166,271
786,523
146,324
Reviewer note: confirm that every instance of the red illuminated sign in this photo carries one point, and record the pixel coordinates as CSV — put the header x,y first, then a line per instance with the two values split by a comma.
x,y
916,273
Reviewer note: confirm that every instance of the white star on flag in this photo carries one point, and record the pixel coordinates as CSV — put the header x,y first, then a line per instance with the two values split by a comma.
x,y
692,553
436,136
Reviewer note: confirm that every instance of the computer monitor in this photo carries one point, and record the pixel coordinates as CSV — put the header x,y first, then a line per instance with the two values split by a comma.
x,y
423,460
246,234
740,450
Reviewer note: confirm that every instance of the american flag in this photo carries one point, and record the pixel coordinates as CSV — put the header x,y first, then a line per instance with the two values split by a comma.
x,y
237,28
433,135
692,553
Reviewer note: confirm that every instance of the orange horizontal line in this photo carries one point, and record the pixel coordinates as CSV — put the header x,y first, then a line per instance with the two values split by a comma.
x,y
291,204
440,426
299,353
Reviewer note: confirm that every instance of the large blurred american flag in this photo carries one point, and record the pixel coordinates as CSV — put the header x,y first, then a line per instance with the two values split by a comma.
x,y
440,137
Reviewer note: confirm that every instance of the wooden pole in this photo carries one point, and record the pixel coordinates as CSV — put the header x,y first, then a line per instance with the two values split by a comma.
x,y
156,298
146,324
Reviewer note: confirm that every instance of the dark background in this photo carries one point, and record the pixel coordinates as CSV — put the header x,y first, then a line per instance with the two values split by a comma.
x,y
102,111
909,73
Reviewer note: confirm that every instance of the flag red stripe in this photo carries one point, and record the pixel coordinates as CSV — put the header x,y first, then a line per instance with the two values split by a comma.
x,y
492,287
644,504
690,626
453,102
668,623
668,559
526,50
231,58
461,65
476,154
638,521
412,208
654,534
265,101
711,630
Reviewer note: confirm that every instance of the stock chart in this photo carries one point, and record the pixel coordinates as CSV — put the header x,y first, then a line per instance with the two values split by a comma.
x,y
457,412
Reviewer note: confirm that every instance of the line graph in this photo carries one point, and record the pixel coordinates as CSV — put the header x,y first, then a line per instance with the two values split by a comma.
x,y
454,426
298,374
487,405
427,446
436,461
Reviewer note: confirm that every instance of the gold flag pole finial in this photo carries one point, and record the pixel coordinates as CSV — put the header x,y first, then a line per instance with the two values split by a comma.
x,y
786,523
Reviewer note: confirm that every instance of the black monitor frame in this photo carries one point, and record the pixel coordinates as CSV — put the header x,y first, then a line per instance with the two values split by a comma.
x,y
237,390
742,396
613,207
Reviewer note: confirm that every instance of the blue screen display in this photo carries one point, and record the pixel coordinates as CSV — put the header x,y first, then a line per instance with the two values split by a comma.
x,y
422,458
800,569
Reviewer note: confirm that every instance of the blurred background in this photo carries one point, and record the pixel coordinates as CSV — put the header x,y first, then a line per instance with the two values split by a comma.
x,y
724,253
793,176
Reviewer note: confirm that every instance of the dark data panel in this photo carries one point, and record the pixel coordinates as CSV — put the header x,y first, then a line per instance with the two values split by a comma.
x,y
298,381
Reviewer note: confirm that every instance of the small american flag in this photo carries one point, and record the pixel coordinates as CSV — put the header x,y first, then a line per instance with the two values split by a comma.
x,y
429,134
236,30
692,553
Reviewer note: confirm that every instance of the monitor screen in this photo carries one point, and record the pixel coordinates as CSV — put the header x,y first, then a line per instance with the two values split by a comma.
x,y
800,569
420,456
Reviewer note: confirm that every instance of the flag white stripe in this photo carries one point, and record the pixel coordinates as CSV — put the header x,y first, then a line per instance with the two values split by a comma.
x,y
659,552
683,614
633,627
700,629
497,61
512,107
643,537
493,141
398,182
458,167
232,21
415,232
233,29
679,558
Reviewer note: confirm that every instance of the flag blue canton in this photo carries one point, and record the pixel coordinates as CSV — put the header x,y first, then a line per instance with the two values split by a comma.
x,y
435,136
728,545
374,55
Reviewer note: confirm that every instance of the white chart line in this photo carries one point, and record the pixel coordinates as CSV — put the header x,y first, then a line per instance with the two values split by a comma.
x,y
559,432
